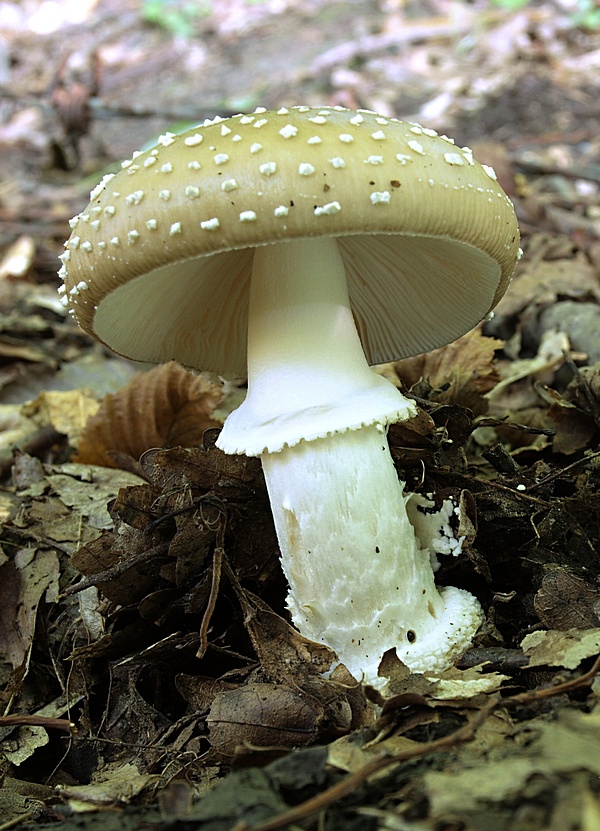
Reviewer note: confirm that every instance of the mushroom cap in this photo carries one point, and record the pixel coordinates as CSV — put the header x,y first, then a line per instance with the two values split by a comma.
x,y
158,265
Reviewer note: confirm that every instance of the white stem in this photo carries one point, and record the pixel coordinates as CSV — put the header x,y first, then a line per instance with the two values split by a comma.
x,y
316,414
358,579
307,373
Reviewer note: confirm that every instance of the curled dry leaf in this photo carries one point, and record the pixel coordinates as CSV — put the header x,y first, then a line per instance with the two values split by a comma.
x,y
282,651
460,373
575,415
118,784
164,407
575,431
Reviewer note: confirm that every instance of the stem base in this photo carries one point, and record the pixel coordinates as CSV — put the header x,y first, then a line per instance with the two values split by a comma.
x,y
358,579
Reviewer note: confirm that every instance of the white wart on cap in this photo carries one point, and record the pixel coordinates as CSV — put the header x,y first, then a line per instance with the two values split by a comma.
x,y
427,236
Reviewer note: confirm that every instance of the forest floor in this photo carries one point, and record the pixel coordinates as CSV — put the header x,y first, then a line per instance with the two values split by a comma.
x,y
149,678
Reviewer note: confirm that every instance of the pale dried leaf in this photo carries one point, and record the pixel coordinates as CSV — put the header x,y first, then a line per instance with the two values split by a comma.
x,y
561,649
67,412
550,356
24,742
18,258
116,785
349,754
86,489
458,683
551,749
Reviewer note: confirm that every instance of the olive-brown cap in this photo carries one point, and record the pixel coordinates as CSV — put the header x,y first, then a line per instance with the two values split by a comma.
x,y
158,265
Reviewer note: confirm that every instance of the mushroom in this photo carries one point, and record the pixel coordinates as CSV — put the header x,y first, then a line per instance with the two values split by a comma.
x,y
299,247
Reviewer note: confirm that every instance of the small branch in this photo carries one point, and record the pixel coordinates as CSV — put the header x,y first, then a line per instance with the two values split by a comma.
x,y
116,571
491,485
12,823
464,734
214,593
558,689
37,721
346,786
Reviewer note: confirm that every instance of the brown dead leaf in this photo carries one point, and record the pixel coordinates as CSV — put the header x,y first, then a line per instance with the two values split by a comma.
x,y
565,601
206,468
460,373
164,556
176,408
208,480
200,691
575,430
282,651
575,415
262,715
548,273
123,565
24,581
288,657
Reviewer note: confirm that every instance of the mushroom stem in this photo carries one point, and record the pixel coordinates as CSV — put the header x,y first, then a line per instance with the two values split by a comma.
x,y
307,373
316,414
358,578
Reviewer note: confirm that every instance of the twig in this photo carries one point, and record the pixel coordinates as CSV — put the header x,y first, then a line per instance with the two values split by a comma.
x,y
12,823
37,721
590,172
347,785
491,485
464,734
214,592
117,570
556,473
559,689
